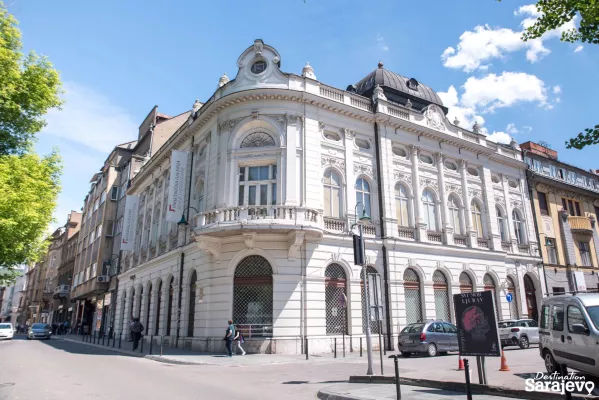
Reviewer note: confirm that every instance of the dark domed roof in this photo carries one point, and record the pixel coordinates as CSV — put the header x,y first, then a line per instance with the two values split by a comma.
x,y
402,88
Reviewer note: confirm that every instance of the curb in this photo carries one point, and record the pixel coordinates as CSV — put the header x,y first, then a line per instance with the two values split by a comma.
x,y
325,394
456,387
152,357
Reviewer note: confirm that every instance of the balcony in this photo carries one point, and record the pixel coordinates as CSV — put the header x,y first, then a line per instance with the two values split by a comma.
x,y
460,240
334,224
482,243
406,232
434,236
580,225
62,290
506,246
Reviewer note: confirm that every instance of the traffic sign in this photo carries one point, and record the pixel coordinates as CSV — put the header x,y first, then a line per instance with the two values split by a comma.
x,y
509,297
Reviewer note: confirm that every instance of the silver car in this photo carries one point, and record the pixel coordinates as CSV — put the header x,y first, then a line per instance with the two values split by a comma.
x,y
519,332
430,338
569,332
39,331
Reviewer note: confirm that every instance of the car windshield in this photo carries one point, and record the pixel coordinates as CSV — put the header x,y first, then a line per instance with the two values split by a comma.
x,y
38,326
594,314
413,328
5,326
507,324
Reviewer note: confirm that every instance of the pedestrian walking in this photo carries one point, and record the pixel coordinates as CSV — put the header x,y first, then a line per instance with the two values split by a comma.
x,y
229,335
239,340
136,329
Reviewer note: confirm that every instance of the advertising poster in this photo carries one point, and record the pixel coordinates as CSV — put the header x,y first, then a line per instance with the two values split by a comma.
x,y
477,326
129,223
176,190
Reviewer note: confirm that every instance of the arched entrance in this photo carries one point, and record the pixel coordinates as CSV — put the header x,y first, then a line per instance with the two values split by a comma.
x,y
374,325
411,283
531,297
252,297
490,286
511,288
466,284
441,291
335,288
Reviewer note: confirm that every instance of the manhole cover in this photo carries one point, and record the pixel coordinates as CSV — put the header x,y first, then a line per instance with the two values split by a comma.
x,y
7,384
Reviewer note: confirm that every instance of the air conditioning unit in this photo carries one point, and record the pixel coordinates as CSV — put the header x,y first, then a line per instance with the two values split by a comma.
x,y
103,279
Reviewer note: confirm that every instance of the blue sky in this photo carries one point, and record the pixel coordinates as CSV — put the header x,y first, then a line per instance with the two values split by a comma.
x,y
118,59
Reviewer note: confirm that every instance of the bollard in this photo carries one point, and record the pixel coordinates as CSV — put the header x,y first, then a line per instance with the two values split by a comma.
x,y
307,353
467,372
151,342
120,337
161,342
335,340
141,349
351,345
360,347
113,340
343,346
397,384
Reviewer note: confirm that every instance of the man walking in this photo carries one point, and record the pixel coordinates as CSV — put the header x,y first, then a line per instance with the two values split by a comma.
x,y
136,329
229,335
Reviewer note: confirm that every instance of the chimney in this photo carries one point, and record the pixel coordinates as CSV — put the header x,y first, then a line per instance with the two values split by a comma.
x,y
539,150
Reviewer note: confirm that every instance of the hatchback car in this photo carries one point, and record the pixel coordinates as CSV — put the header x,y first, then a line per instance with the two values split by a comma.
x,y
520,332
6,331
430,338
569,332
39,331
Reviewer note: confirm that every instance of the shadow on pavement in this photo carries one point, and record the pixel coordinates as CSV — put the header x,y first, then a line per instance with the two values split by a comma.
x,y
81,348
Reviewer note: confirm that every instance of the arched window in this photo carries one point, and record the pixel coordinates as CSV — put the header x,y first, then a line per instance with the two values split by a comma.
x,y
147,231
165,225
148,308
477,218
169,313
332,194
411,283
490,286
252,296
511,288
139,237
441,290
429,210
374,325
501,223
156,223
192,304
402,205
453,206
158,308
466,285
518,227
258,139
123,313
336,299
363,196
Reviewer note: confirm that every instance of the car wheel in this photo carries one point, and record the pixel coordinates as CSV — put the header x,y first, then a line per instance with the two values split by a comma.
x,y
431,350
524,344
406,354
550,364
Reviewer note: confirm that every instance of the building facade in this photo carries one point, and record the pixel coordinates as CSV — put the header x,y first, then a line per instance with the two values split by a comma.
x,y
278,167
566,207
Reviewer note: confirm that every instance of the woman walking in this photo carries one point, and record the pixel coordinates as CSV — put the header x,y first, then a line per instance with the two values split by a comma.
x,y
239,339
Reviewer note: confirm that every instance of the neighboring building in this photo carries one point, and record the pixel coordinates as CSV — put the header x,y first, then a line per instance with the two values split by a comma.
x,y
51,262
277,165
566,206
5,303
12,301
62,305
18,300
34,292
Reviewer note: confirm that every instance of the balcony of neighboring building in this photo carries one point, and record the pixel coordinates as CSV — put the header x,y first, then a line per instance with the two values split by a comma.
x,y
61,291
580,225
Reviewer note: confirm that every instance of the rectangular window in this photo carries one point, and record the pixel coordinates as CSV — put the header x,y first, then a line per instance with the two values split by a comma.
x,y
571,176
557,317
551,253
561,174
575,317
553,171
119,226
585,254
92,237
257,185
529,162
558,289
114,193
571,207
537,166
102,197
93,271
577,208
96,204
241,195
98,231
564,204
543,203
123,190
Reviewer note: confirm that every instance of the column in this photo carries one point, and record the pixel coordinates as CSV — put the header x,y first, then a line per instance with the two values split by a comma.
x,y
463,164
418,221
447,228
508,212
291,172
489,210
350,179
224,130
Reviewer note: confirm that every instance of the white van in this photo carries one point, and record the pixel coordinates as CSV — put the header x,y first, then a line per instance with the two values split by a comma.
x,y
569,332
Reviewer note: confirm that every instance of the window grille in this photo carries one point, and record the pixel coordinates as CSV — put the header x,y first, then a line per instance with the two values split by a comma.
x,y
335,290
192,304
441,296
466,284
412,296
258,139
252,297
511,288
489,283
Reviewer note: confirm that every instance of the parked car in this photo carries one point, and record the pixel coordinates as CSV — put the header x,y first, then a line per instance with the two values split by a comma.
x,y
518,332
6,331
430,337
39,331
569,332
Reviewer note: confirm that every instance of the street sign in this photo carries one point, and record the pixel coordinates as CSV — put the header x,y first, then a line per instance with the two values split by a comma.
x,y
477,324
509,297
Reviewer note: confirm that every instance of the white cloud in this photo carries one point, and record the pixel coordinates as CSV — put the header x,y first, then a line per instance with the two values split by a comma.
x,y
496,91
511,129
466,115
500,137
484,43
578,48
381,43
90,118
557,89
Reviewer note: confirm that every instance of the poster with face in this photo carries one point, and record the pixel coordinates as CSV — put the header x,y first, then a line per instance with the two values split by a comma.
x,y
477,324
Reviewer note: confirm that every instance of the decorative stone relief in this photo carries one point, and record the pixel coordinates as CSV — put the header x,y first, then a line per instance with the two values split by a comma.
x,y
397,175
429,182
364,169
516,204
294,119
450,187
335,257
434,117
500,200
210,245
475,192
332,161
321,125
228,124
250,239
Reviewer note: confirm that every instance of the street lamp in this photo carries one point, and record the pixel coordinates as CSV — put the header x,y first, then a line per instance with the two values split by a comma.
x,y
359,259
183,220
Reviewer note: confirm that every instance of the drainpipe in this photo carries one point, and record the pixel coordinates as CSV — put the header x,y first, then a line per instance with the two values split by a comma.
x,y
182,262
379,174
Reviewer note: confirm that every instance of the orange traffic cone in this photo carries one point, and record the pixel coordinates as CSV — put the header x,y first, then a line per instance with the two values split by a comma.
x,y
504,366
460,363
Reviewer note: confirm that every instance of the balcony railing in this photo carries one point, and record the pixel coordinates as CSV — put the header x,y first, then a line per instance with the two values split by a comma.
x,y
405,232
580,224
460,240
62,290
258,215
334,224
174,240
434,236
482,243
161,246
369,230
506,246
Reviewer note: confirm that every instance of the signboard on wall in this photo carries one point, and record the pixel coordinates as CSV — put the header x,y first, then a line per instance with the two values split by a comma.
x,y
548,229
129,223
477,324
581,284
176,188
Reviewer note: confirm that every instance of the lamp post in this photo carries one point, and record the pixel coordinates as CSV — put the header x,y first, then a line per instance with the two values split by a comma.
x,y
359,259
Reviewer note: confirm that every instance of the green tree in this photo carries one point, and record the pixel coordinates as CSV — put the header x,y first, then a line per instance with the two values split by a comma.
x,y
29,87
555,13
29,185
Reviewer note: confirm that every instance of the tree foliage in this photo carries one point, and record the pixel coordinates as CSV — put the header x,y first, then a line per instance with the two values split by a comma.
x,y
29,185
29,87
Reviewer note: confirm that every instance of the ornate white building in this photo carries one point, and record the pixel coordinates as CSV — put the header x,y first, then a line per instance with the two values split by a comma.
x,y
278,165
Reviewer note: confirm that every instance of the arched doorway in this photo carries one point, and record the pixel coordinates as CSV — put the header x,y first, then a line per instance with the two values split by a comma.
x,y
252,297
158,310
123,312
511,288
148,308
490,286
374,325
441,291
169,314
411,283
466,284
335,288
531,298
192,304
